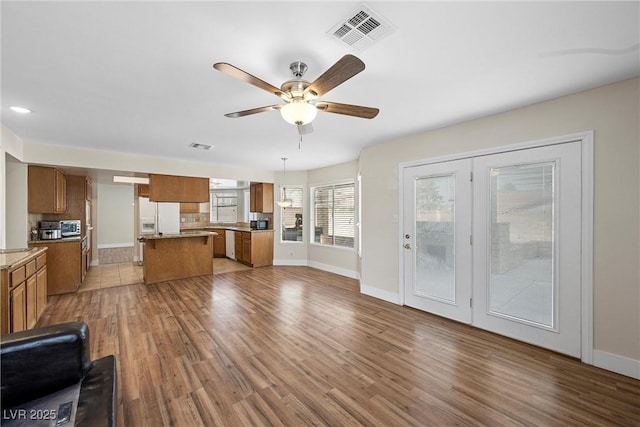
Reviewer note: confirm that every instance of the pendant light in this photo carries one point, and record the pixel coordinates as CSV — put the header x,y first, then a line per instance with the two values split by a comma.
x,y
284,203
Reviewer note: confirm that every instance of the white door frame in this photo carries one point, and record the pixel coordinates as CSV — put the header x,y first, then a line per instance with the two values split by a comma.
x,y
586,256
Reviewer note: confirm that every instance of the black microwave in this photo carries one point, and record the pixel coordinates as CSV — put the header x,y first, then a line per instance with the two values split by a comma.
x,y
260,224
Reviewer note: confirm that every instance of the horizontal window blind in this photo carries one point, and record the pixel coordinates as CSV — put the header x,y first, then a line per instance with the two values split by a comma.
x,y
334,215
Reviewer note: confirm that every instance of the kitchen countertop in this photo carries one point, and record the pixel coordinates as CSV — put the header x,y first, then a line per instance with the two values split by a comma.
x,y
62,240
225,227
180,235
10,258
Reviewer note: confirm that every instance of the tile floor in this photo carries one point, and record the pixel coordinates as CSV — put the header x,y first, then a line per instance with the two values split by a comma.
x,y
129,273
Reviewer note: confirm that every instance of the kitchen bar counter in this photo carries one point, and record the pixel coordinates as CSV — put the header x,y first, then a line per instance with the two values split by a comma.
x,y
223,227
62,240
10,258
177,256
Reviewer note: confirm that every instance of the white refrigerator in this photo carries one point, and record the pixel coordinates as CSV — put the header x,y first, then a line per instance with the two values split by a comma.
x,y
157,218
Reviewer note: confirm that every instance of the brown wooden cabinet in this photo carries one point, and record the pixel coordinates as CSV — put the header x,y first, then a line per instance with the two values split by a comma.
x,y
41,291
261,197
18,308
31,302
64,265
254,249
219,243
47,190
23,294
143,190
189,207
172,188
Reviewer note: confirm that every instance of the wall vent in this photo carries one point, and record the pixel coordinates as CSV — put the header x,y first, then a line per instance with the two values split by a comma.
x,y
361,28
200,146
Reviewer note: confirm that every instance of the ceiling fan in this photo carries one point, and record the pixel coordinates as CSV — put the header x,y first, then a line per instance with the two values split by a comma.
x,y
301,97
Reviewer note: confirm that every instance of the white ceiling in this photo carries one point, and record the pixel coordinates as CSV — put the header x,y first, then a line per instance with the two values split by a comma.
x,y
137,77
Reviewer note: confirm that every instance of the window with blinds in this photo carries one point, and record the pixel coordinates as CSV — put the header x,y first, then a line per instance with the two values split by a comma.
x,y
291,217
224,207
334,215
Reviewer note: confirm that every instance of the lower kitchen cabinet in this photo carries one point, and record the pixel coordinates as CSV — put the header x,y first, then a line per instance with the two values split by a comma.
x,y
23,293
31,302
18,308
255,248
219,243
64,265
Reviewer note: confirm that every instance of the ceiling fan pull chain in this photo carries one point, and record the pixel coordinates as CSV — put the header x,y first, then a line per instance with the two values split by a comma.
x,y
300,142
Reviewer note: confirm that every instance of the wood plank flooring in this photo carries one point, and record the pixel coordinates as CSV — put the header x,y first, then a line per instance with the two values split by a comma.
x,y
292,346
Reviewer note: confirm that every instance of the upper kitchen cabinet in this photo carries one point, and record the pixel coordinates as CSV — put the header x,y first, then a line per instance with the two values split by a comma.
x,y
189,207
47,188
261,197
143,190
171,188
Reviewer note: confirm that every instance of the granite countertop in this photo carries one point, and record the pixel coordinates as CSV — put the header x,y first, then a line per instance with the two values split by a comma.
x,y
225,227
10,258
181,235
62,240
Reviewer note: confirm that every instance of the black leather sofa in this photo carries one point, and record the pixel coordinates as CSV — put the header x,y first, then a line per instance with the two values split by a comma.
x,y
37,364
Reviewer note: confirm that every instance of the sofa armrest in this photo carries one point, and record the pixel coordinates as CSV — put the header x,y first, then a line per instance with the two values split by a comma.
x,y
40,361
97,404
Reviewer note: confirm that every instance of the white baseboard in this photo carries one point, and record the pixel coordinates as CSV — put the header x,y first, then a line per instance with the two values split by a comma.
x,y
388,296
292,262
115,245
618,364
333,269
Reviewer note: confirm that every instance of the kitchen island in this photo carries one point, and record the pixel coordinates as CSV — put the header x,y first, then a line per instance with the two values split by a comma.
x,y
177,256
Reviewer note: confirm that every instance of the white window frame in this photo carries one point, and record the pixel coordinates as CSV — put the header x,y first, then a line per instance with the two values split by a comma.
x,y
312,218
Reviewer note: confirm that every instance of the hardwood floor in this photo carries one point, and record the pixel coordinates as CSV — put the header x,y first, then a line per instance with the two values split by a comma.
x,y
298,346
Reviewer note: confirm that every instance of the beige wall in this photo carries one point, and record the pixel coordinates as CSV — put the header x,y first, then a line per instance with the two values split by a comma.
x,y
291,253
613,113
13,178
114,206
99,159
338,260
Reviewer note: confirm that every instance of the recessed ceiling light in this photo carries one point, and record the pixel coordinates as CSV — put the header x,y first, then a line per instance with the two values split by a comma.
x,y
20,110
200,146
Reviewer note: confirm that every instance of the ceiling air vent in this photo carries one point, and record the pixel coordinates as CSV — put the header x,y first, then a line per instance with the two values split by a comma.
x,y
361,28
200,146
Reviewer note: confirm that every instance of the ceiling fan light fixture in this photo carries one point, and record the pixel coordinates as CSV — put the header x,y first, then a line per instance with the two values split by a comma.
x,y
299,112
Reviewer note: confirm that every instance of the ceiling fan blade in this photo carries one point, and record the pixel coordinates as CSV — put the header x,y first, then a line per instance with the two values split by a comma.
x,y
253,111
347,67
347,109
239,74
305,129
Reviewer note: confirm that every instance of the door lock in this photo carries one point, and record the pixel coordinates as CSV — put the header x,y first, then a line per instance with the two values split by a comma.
x,y
407,236
407,246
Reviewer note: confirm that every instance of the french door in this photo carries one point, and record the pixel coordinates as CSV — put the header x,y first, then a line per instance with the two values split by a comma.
x,y
495,241
436,239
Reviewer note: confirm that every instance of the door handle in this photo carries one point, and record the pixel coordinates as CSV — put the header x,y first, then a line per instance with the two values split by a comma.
x,y
407,246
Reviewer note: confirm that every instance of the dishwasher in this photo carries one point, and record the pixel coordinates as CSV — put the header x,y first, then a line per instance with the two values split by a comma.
x,y
230,244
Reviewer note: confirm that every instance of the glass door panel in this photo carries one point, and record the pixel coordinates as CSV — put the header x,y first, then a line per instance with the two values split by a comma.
x,y
437,222
526,252
521,284
435,237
